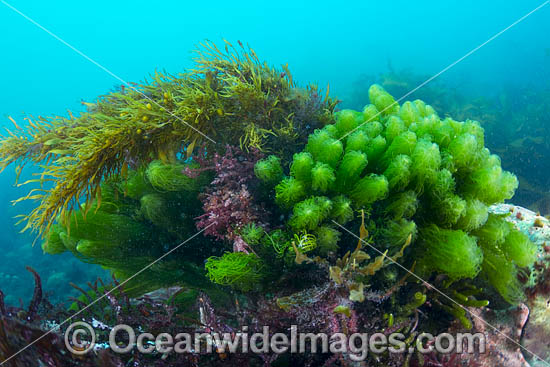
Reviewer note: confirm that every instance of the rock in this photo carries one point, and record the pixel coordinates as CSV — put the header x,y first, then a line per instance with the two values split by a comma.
x,y
537,331
502,330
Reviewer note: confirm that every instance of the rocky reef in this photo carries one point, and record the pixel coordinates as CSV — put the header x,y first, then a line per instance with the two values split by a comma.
x,y
259,203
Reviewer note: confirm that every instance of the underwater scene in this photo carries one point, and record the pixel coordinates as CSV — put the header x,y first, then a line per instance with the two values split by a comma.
x,y
275,184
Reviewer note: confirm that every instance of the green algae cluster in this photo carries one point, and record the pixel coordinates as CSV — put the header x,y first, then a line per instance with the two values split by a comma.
x,y
417,175
237,269
514,120
124,184
271,257
135,221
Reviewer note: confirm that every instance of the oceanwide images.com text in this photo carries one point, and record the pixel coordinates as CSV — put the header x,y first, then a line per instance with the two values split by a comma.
x,y
80,338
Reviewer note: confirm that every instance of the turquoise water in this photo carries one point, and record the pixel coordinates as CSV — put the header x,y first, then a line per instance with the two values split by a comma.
x,y
347,44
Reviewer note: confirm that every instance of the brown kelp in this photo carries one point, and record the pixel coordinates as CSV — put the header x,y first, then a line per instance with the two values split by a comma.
x,y
230,97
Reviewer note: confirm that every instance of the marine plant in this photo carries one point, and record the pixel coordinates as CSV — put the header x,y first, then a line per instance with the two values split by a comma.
x,y
237,269
229,97
228,203
417,176
311,217
513,116
133,224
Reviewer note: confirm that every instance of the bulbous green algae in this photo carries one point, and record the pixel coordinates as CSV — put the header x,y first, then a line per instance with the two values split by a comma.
x,y
418,177
350,169
491,184
153,207
237,269
289,191
342,211
502,274
308,214
409,113
394,127
324,148
402,205
449,209
451,252
383,101
374,150
106,227
54,245
402,144
518,248
170,177
301,167
370,113
504,248
137,184
323,176
494,231
347,120
131,226
369,189
357,140
252,234
373,129
398,172
475,215
396,232
327,239
465,151
426,160
269,170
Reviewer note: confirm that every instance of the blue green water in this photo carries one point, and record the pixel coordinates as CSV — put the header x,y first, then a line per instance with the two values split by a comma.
x,y
347,44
